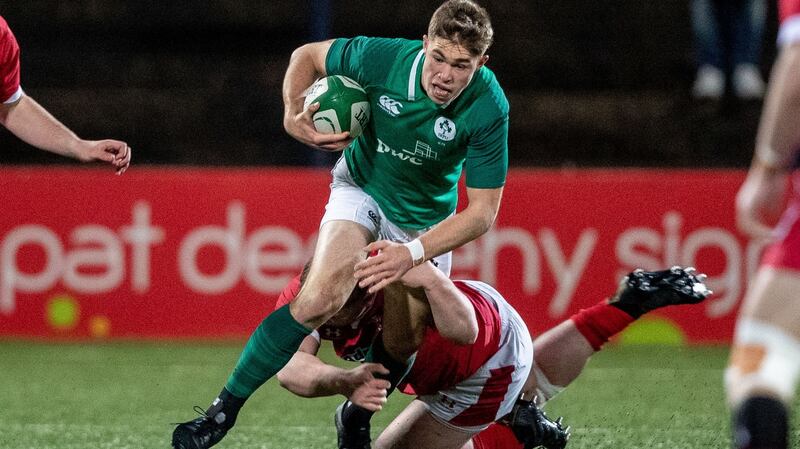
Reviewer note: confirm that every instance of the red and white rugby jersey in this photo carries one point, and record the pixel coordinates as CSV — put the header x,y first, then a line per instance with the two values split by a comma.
x,y
10,90
790,22
351,342
441,364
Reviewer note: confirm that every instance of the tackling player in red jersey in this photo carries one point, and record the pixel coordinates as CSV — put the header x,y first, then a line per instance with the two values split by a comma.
x,y
29,121
764,367
471,366
461,388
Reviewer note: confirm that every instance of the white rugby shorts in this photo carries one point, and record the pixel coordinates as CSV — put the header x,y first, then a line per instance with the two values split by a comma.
x,y
349,202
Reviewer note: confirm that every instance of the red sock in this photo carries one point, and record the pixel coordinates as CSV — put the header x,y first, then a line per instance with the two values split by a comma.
x,y
601,322
496,436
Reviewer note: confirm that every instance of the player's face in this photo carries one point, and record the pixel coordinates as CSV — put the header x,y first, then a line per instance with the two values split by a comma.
x,y
448,69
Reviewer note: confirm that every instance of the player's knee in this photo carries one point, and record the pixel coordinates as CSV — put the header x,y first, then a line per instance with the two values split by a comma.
x,y
315,309
764,359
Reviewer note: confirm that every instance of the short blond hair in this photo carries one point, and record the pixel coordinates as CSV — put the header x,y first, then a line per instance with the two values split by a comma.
x,y
465,23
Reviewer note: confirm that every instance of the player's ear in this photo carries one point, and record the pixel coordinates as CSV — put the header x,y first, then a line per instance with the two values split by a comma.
x,y
425,41
483,60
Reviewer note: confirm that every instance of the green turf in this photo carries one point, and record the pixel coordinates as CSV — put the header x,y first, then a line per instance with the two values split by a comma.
x,y
126,395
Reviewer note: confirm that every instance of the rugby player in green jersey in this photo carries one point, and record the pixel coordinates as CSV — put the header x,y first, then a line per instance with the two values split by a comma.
x,y
436,109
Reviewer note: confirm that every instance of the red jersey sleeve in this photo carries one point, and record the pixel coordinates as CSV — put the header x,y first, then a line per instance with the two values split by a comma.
x,y
440,363
789,8
289,292
790,22
9,63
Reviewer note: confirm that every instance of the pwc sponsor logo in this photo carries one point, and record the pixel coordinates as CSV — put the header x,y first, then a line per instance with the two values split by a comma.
x,y
403,155
417,156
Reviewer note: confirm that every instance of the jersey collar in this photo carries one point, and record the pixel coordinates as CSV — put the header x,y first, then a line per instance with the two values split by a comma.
x,y
412,76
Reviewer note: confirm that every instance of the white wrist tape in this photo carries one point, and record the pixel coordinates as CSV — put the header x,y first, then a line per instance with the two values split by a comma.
x,y
771,159
417,251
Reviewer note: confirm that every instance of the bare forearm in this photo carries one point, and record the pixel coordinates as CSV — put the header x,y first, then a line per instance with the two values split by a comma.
x,y
33,124
302,71
452,312
465,226
307,376
455,231
779,131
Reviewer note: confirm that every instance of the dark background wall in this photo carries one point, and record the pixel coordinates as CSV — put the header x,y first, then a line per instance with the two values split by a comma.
x,y
600,83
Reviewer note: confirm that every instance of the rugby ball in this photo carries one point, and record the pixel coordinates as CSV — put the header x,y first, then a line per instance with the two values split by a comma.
x,y
343,105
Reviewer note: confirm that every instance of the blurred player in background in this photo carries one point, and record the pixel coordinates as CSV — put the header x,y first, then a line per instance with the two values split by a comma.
x,y
764,367
436,108
29,121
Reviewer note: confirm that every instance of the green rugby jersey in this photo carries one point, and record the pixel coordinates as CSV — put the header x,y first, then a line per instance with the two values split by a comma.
x,y
411,154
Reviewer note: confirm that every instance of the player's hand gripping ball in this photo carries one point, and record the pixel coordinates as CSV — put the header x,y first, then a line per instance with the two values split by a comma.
x,y
343,105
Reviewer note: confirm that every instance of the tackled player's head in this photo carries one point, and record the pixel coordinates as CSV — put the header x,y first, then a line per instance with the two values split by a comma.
x,y
358,303
458,36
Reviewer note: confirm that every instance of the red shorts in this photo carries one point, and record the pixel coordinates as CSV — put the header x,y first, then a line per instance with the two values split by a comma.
x,y
785,252
497,436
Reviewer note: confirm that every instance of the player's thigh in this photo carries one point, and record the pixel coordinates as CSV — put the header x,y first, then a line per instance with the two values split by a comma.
x,y
330,277
560,355
416,428
774,298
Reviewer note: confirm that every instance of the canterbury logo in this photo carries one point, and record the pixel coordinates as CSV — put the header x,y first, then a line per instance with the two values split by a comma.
x,y
392,107
374,218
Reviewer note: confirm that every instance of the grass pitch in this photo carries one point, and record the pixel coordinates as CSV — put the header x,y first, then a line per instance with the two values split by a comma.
x,y
127,395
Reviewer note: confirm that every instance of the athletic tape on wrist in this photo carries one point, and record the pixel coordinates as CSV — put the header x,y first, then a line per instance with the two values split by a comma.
x,y
771,159
417,251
